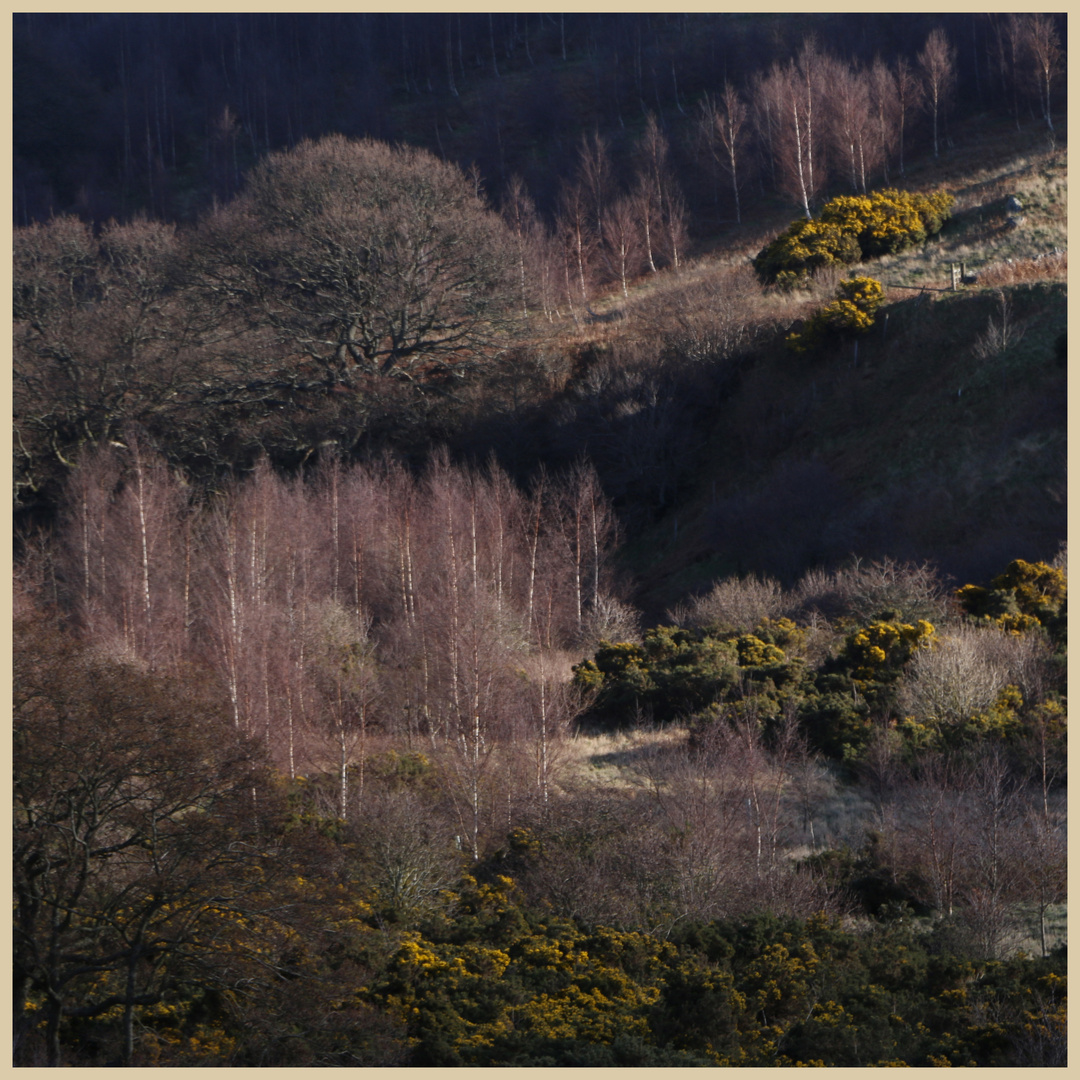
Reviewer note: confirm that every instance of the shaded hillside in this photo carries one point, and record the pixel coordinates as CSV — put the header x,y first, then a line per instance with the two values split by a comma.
x,y
921,450
941,436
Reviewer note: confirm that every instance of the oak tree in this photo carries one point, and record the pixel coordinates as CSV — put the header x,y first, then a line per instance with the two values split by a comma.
x,y
364,259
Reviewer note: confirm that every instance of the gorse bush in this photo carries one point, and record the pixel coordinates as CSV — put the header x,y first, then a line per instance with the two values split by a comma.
x,y
673,673
852,312
509,986
1025,596
851,228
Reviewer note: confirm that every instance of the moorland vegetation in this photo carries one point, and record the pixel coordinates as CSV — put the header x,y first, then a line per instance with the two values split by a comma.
x,y
550,612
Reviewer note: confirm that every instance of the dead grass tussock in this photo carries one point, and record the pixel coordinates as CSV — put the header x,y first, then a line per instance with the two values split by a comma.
x,y
557,665
615,757
1049,267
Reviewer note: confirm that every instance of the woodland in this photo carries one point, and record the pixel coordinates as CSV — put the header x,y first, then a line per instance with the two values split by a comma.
x,y
539,540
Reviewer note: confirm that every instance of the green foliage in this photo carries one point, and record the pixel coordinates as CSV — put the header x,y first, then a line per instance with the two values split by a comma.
x,y
1026,596
763,991
878,652
396,769
858,683
502,987
1002,720
804,247
852,312
673,673
836,717
788,280
753,652
783,633
681,673
851,228
501,983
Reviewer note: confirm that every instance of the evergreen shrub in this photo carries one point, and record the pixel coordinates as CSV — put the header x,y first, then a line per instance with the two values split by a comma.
x,y
851,228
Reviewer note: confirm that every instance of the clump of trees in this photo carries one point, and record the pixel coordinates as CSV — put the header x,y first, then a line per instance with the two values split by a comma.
x,y
434,609
1024,596
194,884
133,836
737,992
292,777
847,652
342,266
120,114
362,259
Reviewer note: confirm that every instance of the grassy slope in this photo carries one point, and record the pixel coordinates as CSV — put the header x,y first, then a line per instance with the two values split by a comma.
x,y
920,449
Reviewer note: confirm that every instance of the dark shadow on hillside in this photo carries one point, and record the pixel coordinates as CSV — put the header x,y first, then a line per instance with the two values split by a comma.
x,y
653,754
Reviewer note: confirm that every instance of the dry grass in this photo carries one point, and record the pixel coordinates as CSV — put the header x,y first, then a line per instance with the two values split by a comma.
x,y
615,757
1027,937
1050,267
987,235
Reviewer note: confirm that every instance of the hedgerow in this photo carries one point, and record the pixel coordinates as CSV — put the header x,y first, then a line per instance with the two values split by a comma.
x,y
851,228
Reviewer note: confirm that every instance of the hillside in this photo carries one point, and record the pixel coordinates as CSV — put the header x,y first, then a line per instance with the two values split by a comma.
x,y
509,597
925,442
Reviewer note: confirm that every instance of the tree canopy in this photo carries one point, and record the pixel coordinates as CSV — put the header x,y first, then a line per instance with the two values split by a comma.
x,y
364,258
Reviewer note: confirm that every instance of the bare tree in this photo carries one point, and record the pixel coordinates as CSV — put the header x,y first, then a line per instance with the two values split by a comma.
x,y
412,853
959,676
85,537
676,232
124,543
733,603
107,332
145,554
866,591
1043,47
808,94
588,529
342,655
937,66
909,98
595,175
884,104
520,214
622,249
995,873
553,705
365,259
793,93
654,190
1044,851
297,593
851,121
1009,31
131,824
578,236
700,799
935,836
766,99
724,128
